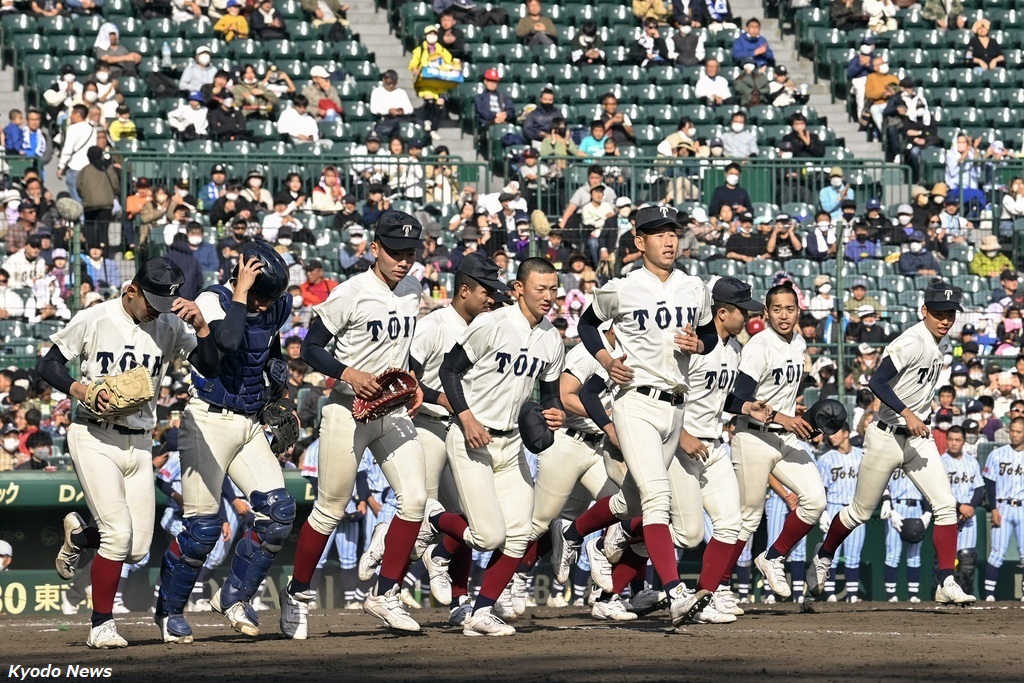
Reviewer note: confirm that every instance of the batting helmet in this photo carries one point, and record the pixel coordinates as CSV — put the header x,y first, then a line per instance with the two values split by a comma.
x,y
533,428
272,282
912,530
827,416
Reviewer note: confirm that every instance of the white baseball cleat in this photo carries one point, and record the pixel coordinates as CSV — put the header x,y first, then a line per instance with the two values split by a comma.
x,y
716,612
119,608
105,636
914,598
774,572
853,598
427,534
832,598
241,619
200,605
687,604
558,600
518,589
727,600
950,593
66,607
457,616
503,607
409,600
295,613
257,604
388,608
371,559
818,574
769,599
992,598
600,567
440,579
564,553
484,623
612,610
616,540
894,599
69,553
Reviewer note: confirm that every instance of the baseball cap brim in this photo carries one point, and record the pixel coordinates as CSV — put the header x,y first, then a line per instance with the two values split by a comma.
x,y
400,243
158,302
944,306
495,284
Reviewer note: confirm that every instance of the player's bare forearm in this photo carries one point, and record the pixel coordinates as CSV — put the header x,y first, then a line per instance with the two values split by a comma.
x,y
572,403
692,446
776,486
555,417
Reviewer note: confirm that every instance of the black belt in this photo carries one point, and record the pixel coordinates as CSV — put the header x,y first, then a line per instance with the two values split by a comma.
x,y
120,429
225,409
908,503
832,502
898,430
585,437
500,432
1012,502
764,428
667,397
715,443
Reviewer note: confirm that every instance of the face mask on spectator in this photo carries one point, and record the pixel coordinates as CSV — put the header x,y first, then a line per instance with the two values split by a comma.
x,y
42,453
69,78
431,39
991,253
837,182
749,68
916,247
737,127
297,301
685,29
181,193
90,96
905,219
972,438
944,426
11,444
691,132
228,102
285,241
195,240
883,68
102,76
732,178
977,376
785,155
824,226
203,59
231,196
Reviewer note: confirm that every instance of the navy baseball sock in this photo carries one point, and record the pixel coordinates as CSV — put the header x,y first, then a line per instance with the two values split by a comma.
x,y
579,578
991,579
891,577
637,585
743,580
88,537
852,582
914,580
101,617
798,570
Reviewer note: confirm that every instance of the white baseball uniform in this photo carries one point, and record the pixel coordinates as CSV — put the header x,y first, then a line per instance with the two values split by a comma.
x,y
436,334
917,358
509,357
113,459
648,413
776,364
373,328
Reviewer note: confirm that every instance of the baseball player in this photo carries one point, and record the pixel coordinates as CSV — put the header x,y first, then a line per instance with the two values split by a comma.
x,y
905,382
838,468
907,514
662,317
1004,479
969,490
771,369
781,503
113,458
222,433
487,377
371,317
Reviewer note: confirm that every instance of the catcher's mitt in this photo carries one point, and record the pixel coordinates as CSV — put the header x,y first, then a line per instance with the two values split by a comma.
x,y
127,393
279,417
397,389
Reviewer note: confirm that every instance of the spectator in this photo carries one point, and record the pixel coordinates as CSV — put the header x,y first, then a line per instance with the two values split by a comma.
x,y
712,88
861,247
316,288
857,71
199,72
690,13
39,445
216,188
227,122
204,252
122,127
866,330
783,91
989,261
328,193
593,144
751,45
746,244
24,226
229,247
874,220
879,87
859,298
822,303
11,305
298,200
493,106
375,205
1012,204
451,37
963,173
617,124
540,121
108,49
187,11
658,10
326,12
278,83
190,118
821,241
739,141
953,225
881,15
390,104
831,197
918,260
253,97
182,255
582,196
78,138
297,124
983,52
323,98
368,164
688,45
945,13
218,89
595,221
35,139
25,265
355,257
752,87
685,134
650,48
720,16
847,14
559,143
587,47
279,219
155,212
232,25
534,28
99,185
802,142
180,217
256,193
783,239
917,105
267,23
730,194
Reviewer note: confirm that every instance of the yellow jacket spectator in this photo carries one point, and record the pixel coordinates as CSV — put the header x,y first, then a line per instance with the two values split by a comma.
x,y
232,25
652,8
429,53
988,261
123,128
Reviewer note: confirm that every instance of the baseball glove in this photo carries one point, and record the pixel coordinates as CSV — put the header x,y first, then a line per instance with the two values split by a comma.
x,y
127,393
397,389
279,417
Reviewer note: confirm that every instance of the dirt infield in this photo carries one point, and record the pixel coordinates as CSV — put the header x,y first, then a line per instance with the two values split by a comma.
x,y
835,642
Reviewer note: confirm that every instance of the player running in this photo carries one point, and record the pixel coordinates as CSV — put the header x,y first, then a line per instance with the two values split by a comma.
x,y
113,457
905,382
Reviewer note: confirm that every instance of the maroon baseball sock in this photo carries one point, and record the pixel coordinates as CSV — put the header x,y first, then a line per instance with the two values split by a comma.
x,y
635,526
105,576
459,569
944,538
598,517
497,576
716,558
307,553
734,555
837,533
451,523
793,530
628,568
397,546
663,554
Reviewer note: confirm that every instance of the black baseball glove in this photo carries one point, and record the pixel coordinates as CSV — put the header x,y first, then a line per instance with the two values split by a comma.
x,y
279,417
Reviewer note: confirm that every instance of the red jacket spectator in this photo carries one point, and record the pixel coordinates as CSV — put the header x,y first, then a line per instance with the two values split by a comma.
x,y
316,288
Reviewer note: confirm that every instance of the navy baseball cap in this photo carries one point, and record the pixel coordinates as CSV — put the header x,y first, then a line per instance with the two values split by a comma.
x,y
656,219
729,290
501,298
873,204
483,270
958,369
398,230
160,279
968,329
942,296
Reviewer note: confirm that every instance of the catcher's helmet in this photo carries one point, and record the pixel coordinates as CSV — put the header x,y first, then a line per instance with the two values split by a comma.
x,y
827,416
533,428
272,281
912,530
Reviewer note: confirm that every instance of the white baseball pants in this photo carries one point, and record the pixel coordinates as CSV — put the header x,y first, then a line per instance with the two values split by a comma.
x,y
704,485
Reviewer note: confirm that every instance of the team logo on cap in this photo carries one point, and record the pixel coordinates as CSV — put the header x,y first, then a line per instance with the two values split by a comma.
x,y
173,289
949,294
407,229
664,211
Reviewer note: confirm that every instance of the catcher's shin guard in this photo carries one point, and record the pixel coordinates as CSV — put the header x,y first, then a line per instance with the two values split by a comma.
x,y
966,566
255,552
184,560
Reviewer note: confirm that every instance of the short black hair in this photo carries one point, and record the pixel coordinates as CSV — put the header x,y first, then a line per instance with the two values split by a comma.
x,y
547,91
38,439
732,167
293,339
33,417
296,365
779,290
560,324
947,388
956,429
534,264
596,123
463,279
300,100
595,168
